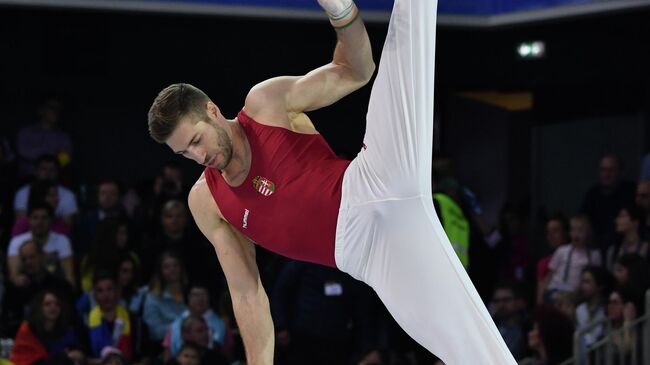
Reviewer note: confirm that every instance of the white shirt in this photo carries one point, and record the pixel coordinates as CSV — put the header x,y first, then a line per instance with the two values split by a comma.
x,y
578,260
57,244
67,201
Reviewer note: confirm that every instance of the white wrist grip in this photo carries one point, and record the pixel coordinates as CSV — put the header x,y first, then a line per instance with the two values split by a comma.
x,y
337,9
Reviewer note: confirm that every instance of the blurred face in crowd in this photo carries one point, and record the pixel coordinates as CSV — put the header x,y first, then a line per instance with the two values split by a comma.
x,y
51,307
47,170
534,341
32,259
174,218
122,236
198,301
588,288
579,231
188,356
609,171
106,294
625,224
50,112
620,274
615,307
504,303
171,270
173,173
108,196
125,273
555,234
40,222
198,333
52,197
643,195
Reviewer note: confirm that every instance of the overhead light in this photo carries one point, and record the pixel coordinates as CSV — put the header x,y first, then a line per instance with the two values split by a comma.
x,y
531,50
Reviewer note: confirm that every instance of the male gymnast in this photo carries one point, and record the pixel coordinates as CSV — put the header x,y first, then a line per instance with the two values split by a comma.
x,y
271,179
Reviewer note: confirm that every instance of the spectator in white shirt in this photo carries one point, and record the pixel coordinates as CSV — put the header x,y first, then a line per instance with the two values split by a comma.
x,y
56,246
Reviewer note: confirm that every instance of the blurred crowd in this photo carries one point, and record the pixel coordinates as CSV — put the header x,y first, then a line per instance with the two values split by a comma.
x,y
116,272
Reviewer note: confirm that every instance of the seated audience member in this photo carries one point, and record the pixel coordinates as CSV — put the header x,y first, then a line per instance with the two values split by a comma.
x,y
109,324
132,296
47,169
47,333
594,285
628,223
621,313
56,246
194,329
643,201
189,354
109,205
42,192
33,278
551,337
164,301
566,302
198,303
111,243
557,235
632,274
44,137
507,317
605,199
568,261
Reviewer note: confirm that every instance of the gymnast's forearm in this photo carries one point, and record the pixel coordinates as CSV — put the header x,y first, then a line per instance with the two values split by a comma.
x,y
353,50
256,326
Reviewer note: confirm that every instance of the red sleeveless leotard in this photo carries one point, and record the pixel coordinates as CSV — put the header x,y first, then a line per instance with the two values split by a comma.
x,y
290,199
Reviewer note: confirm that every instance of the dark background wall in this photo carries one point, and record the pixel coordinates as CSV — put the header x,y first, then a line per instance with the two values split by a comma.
x,y
108,67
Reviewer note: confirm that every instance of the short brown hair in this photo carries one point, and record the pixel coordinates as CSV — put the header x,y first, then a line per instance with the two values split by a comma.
x,y
172,103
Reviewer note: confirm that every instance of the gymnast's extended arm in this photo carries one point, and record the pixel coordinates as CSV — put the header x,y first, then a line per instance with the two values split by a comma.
x,y
351,68
236,255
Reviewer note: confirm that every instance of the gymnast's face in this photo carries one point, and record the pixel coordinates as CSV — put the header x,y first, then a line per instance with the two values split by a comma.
x,y
203,138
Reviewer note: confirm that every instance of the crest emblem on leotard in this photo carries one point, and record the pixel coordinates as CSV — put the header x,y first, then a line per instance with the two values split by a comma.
x,y
263,185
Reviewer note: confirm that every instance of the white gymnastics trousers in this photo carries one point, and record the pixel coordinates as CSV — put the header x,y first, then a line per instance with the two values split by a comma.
x,y
388,234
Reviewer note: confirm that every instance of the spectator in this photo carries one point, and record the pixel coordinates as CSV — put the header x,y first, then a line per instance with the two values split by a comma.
x,y
108,206
643,202
604,200
33,278
566,302
164,302
111,244
128,279
551,337
628,225
42,191
43,138
568,261
632,275
198,303
47,169
194,329
47,333
594,284
109,324
55,245
557,235
621,313
189,354
114,358
315,311
177,235
506,317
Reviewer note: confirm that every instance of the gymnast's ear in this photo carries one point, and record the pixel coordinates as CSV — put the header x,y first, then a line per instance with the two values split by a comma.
x,y
212,109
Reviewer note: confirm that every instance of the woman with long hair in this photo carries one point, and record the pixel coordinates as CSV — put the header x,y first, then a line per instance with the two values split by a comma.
x,y
111,243
629,221
47,333
164,302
